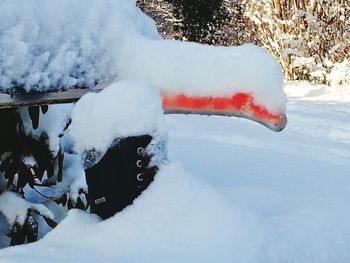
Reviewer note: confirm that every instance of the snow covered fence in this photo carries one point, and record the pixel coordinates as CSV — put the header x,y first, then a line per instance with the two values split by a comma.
x,y
309,38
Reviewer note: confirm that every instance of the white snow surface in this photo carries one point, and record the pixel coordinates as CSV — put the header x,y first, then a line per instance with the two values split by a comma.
x,y
201,70
247,195
62,44
125,108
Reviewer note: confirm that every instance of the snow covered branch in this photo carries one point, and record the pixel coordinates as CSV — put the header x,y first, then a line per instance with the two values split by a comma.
x,y
308,37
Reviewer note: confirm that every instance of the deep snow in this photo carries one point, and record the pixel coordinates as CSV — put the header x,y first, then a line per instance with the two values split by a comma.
x,y
125,108
248,195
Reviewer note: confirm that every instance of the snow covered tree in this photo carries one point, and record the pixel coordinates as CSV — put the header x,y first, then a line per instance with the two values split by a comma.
x,y
310,38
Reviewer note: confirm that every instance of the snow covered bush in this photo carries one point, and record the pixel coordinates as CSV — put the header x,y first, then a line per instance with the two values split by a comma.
x,y
209,22
35,171
308,37
340,73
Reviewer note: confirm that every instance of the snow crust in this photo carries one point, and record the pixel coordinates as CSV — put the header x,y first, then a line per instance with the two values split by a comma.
x,y
123,109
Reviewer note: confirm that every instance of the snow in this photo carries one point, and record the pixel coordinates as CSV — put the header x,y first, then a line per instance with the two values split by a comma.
x,y
233,192
125,108
15,208
206,71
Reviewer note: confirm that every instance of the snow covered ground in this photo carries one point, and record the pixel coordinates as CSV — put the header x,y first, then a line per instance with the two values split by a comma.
x,y
233,192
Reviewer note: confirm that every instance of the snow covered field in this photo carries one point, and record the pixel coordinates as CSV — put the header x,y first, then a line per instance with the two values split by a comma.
x,y
233,192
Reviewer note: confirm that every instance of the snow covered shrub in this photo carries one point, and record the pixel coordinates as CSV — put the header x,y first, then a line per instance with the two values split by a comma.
x,y
340,74
209,22
308,37
31,172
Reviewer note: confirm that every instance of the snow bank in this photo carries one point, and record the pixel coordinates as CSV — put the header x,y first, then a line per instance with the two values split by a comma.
x,y
178,215
208,71
60,44
340,74
319,93
123,109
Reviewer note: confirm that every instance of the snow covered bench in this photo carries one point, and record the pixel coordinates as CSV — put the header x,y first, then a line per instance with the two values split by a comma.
x,y
50,50
16,100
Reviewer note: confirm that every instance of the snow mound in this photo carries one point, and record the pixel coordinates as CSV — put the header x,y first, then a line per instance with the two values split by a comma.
x,y
207,71
178,215
123,109
61,44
